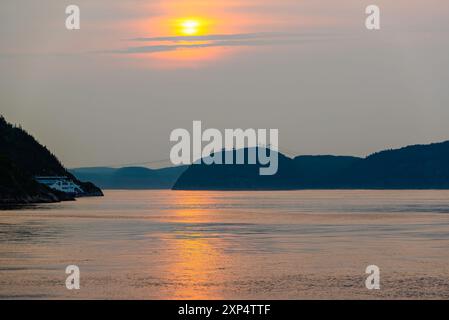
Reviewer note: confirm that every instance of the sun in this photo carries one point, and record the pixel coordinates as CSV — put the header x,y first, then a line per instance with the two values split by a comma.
x,y
190,27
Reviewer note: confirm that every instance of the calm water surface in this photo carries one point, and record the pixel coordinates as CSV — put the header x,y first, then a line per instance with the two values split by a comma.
x,y
241,245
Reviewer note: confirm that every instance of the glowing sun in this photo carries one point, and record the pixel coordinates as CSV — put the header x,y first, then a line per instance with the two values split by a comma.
x,y
190,27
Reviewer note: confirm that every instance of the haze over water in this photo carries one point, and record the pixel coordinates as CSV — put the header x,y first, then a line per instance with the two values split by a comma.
x,y
256,245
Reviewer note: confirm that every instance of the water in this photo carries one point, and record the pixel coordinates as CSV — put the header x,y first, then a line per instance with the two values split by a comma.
x,y
229,245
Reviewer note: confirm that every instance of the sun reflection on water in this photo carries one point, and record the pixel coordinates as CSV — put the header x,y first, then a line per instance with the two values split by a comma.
x,y
199,253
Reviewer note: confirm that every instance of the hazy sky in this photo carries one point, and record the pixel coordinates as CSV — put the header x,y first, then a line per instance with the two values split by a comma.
x,y
112,92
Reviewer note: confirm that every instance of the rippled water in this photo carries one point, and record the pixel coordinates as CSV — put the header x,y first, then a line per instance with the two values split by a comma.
x,y
233,245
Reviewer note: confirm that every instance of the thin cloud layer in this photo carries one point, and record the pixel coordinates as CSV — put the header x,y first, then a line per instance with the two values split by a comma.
x,y
238,36
219,40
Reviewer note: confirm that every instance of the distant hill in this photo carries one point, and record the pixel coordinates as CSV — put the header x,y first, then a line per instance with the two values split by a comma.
x,y
22,158
130,177
237,177
300,172
413,167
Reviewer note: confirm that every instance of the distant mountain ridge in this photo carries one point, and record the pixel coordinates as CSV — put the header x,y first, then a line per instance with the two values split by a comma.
x,y
21,159
412,167
133,178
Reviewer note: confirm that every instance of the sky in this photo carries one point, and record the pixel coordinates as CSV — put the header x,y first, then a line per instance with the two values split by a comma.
x,y
110,93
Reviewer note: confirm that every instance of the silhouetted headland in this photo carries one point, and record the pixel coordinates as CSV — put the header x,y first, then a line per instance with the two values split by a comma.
x,y
22,160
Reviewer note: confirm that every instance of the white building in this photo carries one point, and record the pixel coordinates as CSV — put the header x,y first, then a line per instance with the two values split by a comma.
x,y
62,183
